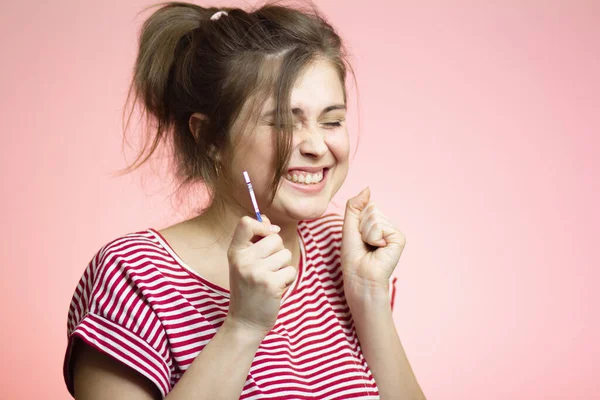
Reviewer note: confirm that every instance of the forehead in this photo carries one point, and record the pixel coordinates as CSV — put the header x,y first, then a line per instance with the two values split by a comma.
x,y
317,87
318,81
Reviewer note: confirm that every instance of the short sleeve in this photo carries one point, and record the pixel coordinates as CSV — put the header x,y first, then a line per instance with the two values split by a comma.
x,y
109,312
393,288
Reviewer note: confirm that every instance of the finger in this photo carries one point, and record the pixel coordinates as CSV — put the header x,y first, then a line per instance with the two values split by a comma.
x,y
374,218
376,235
278,260
267,246
246,229
368,208
285,276
365,214
354,206
272,227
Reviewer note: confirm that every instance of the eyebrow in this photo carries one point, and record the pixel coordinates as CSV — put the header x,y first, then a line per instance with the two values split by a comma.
x,y
297,110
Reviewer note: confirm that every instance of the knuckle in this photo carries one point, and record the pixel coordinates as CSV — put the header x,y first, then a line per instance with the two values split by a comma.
x,y
238,268
271,286
292,269
402,239
278,241
246,221
287,255
254,277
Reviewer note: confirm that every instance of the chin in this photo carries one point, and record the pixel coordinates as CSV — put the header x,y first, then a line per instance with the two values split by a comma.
x,y
306,209
309,214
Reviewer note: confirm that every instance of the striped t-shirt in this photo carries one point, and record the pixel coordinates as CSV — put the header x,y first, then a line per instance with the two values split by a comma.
x,y
138,302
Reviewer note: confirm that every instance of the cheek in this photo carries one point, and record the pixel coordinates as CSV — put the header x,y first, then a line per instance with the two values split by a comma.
x,y
339,145
257,151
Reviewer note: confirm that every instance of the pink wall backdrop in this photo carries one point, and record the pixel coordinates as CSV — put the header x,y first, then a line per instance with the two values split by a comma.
x,y
479,136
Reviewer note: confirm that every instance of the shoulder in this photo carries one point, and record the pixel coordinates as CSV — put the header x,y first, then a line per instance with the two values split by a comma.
x,y
113,307
131,251
132,244
124,267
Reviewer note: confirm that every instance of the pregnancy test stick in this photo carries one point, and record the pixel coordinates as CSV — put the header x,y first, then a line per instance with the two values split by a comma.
x,y
252,197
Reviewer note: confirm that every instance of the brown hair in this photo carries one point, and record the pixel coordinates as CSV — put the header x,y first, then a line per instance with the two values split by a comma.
x,y
188,63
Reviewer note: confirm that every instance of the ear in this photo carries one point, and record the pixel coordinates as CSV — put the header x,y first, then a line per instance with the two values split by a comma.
x,y
196,122
214,153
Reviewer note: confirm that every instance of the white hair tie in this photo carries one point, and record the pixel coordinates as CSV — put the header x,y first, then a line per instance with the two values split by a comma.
x,y
218,15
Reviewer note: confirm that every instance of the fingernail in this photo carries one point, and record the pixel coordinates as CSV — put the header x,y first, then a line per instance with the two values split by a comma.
x,y
274,228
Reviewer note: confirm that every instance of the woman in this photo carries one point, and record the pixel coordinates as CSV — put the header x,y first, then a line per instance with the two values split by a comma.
x,y
223,306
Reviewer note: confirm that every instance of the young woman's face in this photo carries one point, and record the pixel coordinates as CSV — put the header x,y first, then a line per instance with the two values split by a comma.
x,y
320,147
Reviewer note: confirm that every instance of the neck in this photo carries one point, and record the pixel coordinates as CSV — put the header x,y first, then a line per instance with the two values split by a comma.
x,y
220,220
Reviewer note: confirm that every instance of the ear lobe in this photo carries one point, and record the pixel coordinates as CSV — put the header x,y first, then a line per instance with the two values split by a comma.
x,y
195,124
214,153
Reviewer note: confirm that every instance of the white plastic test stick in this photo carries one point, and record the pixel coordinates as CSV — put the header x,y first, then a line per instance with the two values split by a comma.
x,y
252,196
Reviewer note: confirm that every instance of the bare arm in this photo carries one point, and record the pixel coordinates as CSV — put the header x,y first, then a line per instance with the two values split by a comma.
x,y
219,371
381,345
98,376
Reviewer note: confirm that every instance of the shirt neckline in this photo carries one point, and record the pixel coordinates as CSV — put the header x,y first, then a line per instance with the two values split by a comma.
x,y
217,288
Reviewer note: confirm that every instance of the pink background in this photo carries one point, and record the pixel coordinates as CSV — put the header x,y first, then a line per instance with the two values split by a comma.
x,y
480,127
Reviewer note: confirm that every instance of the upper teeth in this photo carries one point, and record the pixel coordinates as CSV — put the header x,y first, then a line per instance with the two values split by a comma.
x,y
305,177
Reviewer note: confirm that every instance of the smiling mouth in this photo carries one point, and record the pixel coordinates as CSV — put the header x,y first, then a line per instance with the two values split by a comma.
x,y
306,178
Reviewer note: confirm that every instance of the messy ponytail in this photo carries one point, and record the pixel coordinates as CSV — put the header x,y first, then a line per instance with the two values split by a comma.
x,y
188,63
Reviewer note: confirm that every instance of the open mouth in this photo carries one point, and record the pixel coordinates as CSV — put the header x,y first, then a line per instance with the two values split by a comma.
x,y
306,178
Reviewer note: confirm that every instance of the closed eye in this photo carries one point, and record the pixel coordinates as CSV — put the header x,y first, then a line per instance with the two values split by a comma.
x,y
334,124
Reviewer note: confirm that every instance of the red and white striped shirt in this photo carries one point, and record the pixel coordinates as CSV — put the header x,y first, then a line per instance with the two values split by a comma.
x,y
138,302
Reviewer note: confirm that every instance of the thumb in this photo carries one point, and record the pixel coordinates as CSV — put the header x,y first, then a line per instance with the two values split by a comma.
x,y
354,206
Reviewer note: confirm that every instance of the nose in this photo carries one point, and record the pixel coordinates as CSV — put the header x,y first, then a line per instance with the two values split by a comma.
x,y
312,142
